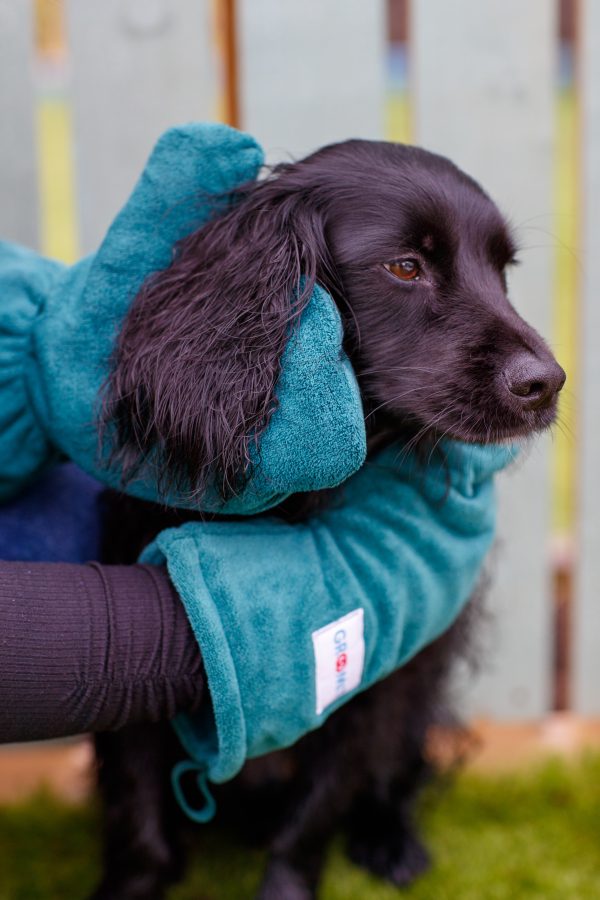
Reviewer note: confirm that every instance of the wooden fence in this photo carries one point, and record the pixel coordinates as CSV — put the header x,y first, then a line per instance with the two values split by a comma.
x,y
297,75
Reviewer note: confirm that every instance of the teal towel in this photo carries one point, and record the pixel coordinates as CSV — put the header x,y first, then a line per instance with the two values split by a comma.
x,y
58,326
294,619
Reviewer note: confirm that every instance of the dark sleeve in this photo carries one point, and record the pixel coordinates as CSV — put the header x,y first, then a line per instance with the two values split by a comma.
x,y
92,648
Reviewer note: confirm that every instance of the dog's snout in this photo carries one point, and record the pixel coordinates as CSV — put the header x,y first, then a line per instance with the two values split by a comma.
x,y
535,381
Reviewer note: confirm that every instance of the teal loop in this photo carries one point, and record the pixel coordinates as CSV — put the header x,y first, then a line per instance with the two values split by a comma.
x,y
205,813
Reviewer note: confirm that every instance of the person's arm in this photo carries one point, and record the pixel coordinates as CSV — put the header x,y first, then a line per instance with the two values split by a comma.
x,y
92,648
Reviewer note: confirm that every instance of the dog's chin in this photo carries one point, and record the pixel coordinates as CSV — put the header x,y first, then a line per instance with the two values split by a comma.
x,y
492,427
504,433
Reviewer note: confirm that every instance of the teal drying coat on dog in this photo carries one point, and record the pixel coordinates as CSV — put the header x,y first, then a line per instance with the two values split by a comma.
x,y
292,620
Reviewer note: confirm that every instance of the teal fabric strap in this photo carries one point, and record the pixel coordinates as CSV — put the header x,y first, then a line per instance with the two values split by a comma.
x,y
200,814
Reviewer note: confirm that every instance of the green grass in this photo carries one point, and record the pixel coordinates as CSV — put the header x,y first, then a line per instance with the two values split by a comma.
x,y
528,835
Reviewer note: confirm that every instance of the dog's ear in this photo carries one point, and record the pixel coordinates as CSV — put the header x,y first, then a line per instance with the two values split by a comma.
x,y
199,354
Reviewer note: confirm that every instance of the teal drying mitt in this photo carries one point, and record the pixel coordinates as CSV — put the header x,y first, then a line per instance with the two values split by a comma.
x,y
293,619
58,326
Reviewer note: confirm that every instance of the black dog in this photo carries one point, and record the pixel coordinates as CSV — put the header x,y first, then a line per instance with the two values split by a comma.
x,y
414,254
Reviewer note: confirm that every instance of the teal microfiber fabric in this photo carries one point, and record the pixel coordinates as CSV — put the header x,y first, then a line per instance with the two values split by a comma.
x,y
399,554
404,544
58,325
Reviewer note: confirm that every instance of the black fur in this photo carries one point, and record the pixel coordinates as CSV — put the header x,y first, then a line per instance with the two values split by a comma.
x,y
414,254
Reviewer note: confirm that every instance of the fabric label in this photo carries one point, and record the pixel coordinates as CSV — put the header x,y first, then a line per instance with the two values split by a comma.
x,y
339,657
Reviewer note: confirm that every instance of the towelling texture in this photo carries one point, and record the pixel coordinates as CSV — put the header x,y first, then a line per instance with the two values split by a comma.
x,y
291,620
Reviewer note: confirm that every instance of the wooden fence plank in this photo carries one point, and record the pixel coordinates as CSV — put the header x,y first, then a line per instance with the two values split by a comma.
x,y
138,67
586,646
483,79
311,72
18,174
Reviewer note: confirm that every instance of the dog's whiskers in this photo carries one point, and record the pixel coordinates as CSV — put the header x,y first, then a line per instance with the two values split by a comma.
x,y
385,369
391,400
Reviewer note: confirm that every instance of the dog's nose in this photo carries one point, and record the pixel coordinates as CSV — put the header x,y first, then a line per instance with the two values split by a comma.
x,y
535,381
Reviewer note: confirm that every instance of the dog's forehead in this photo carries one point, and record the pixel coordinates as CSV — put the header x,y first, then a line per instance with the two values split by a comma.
x,y
381,195
441,204
430,216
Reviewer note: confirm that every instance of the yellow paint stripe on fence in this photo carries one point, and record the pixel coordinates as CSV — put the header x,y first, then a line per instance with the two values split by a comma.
x,y
565,337
58,227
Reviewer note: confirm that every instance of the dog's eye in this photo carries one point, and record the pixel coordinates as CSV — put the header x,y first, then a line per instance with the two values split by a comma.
x,y
407,269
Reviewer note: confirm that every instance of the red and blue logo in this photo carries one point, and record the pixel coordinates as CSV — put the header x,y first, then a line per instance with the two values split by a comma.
x,y
341,660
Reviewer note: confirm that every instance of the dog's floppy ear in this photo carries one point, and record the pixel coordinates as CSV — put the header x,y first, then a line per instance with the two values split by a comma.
x,y
198,356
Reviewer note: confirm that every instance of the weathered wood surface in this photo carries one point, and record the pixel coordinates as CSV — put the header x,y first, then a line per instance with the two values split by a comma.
x,y
18,163
483,81
138,67
586,644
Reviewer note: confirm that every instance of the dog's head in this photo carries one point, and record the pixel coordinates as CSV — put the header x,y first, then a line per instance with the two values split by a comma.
x,y
414,254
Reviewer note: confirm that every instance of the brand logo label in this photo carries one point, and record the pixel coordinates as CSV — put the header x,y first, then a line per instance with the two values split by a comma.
x,y
339,658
